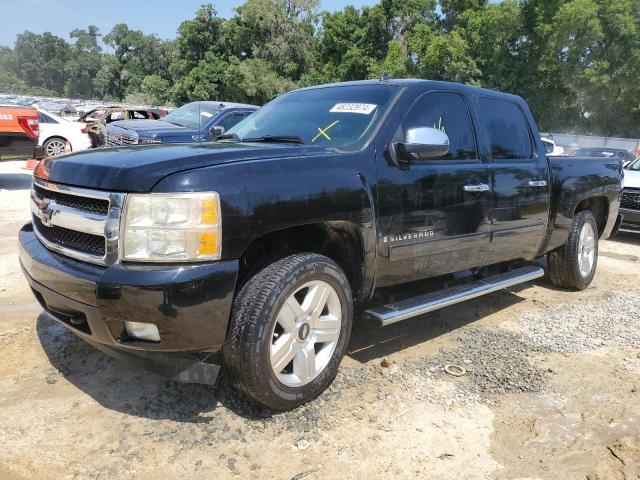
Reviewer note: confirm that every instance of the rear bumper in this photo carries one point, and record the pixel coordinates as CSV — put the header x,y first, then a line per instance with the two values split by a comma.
x,y
190,305
631,220
17,143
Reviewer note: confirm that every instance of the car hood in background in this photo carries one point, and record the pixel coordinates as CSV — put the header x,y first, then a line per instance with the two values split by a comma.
x,y
139,168
150,127
631,179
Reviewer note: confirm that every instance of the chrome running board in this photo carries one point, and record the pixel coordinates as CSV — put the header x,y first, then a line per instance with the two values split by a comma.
x,y
412,307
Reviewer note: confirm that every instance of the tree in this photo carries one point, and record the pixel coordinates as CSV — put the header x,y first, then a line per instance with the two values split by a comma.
x,y
40,60
84,63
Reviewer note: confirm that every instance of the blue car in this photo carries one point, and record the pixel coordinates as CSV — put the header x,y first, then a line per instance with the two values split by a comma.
x,y
193,122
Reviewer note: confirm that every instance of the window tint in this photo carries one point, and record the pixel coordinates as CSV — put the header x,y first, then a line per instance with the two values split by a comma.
x,y
507,128
43,118
448,112
231,119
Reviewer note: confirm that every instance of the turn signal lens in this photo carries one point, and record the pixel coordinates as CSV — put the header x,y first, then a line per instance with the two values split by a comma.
x,y
208,243
208,209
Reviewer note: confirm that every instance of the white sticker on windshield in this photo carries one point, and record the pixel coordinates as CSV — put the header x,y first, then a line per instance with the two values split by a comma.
x,y
363,108
207,114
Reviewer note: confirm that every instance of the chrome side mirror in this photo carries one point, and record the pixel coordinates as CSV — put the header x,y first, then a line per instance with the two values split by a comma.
x,y
216,131
423,143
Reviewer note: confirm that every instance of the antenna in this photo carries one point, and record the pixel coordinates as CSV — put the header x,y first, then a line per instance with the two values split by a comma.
x,y
385,76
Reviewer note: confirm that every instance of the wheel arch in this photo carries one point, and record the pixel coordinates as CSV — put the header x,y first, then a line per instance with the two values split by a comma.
x,y
341,241
600,208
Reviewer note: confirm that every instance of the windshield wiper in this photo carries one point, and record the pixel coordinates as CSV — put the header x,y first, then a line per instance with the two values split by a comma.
x,y
276,139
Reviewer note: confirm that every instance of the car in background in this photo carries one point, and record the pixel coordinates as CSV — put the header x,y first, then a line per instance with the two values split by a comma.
x,y
551,148
625,156
630,204
56,132
193,122
98,118
19,131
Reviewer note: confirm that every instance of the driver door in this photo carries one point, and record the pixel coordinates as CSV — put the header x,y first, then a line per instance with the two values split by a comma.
x,y
433,216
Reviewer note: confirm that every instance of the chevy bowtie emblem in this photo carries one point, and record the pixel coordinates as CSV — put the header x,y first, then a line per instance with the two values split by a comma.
x,y
45,213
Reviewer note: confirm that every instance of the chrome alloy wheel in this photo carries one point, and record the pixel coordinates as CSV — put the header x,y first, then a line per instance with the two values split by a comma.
x,y
55,147
305,333
586,250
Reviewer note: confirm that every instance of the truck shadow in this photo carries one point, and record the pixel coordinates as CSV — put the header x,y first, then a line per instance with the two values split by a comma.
x,y
138,393
15,181
627,238
369,342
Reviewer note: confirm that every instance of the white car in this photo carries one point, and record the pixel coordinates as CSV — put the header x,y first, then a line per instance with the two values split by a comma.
x,y
552,149
630,205
56,132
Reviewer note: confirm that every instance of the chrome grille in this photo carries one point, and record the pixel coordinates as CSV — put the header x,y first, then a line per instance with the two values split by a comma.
x,y
630,199
93,205
78,241
119,139
79,223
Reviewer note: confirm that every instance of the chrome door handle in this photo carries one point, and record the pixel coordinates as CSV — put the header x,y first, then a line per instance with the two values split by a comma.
x,y
537,183
477,188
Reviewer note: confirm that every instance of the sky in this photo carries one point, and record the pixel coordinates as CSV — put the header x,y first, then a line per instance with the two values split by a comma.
x,y
161,17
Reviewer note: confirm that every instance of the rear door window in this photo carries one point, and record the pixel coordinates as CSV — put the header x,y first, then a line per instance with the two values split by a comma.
x,y
507,128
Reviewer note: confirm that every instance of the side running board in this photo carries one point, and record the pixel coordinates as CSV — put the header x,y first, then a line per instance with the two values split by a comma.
x,y
412,307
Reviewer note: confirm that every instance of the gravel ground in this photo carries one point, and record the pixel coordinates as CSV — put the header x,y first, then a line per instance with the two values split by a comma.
x,y
610,319
549,389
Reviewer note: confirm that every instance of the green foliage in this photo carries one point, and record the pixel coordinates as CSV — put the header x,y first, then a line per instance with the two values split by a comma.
x,y
577,62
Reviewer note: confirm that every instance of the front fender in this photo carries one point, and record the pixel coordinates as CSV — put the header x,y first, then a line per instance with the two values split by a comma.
x,y
263,196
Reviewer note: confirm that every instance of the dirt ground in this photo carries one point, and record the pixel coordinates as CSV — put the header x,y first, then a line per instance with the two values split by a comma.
x,y
551,391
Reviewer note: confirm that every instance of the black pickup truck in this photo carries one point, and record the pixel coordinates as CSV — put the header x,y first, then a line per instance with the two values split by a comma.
x,y
252,251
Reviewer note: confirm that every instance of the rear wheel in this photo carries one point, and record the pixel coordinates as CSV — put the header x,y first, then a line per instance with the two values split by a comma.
x,y
574,264
54,147
289,330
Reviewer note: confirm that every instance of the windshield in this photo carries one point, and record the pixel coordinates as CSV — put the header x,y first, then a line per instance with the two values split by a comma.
x,y
340,117
192,115
635,165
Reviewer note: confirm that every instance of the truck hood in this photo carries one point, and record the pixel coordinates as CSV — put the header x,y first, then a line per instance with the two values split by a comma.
x,y
138,169
146,128
631,179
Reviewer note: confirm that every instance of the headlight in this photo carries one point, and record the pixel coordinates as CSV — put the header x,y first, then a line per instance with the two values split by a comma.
x,y
172,227
147,140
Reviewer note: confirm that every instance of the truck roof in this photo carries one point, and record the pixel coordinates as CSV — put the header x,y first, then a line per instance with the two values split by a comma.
x,y
419,83
226,105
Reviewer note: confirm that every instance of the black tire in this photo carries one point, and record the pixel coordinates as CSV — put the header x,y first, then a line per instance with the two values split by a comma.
x,y
563,269
255,309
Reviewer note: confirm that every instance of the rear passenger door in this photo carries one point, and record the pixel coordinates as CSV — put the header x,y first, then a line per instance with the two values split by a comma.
x,y
520,174
433,215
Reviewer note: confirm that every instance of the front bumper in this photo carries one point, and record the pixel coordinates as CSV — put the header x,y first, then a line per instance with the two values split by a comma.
x,y
631,221
190,305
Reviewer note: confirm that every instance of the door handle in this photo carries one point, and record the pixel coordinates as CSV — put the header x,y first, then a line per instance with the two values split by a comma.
x,y
477,188
537,183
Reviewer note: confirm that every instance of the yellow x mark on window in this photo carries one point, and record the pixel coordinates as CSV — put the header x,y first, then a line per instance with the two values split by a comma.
x,y
323,132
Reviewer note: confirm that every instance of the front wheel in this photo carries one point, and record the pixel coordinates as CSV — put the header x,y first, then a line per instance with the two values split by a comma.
x,y
290,327
574,264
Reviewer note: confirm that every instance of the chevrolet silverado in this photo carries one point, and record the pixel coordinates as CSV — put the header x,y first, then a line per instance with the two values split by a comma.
x,y
252,251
